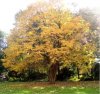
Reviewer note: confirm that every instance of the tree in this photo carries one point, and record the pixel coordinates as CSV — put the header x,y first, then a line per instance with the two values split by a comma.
x,y
3,45
47,39
93,17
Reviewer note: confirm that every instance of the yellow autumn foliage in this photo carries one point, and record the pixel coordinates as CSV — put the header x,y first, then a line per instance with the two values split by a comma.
x,y
43,37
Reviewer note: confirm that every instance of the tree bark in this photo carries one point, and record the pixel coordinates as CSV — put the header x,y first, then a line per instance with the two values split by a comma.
x,y
52,72
78,73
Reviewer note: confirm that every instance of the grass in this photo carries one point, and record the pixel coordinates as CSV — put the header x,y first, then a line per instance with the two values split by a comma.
x,y
45,88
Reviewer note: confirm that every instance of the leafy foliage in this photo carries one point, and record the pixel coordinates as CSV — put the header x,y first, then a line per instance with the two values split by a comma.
x,y
46,38
2,46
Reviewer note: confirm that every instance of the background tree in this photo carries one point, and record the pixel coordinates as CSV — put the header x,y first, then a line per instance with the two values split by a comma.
x,y
3,45
93,17
47,39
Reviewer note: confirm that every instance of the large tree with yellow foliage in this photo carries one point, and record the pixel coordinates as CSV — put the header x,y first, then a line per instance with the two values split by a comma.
x,y
46,39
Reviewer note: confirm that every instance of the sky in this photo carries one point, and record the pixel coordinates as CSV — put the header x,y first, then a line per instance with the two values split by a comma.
x,y
9,8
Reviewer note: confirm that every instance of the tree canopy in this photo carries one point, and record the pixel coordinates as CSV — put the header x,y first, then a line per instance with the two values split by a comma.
x,y
47,38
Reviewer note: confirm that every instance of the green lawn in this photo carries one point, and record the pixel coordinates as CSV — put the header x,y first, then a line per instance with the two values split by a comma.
x,y
32,88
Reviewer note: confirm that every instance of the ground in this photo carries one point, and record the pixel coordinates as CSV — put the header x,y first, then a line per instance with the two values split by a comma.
x,y
91,87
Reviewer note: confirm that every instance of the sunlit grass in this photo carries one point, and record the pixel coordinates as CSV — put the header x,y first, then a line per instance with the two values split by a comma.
x,y
28,88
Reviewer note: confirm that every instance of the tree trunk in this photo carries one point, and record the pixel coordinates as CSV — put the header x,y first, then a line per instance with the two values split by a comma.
x,y
52,72
78,73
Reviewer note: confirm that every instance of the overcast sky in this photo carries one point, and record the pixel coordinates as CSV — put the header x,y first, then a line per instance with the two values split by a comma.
x,y
8,9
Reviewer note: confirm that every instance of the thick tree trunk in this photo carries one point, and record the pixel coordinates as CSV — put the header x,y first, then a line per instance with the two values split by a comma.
x,y
52,72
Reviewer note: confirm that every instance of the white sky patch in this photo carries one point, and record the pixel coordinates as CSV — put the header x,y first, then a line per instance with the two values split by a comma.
x,y
76,4
8,9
